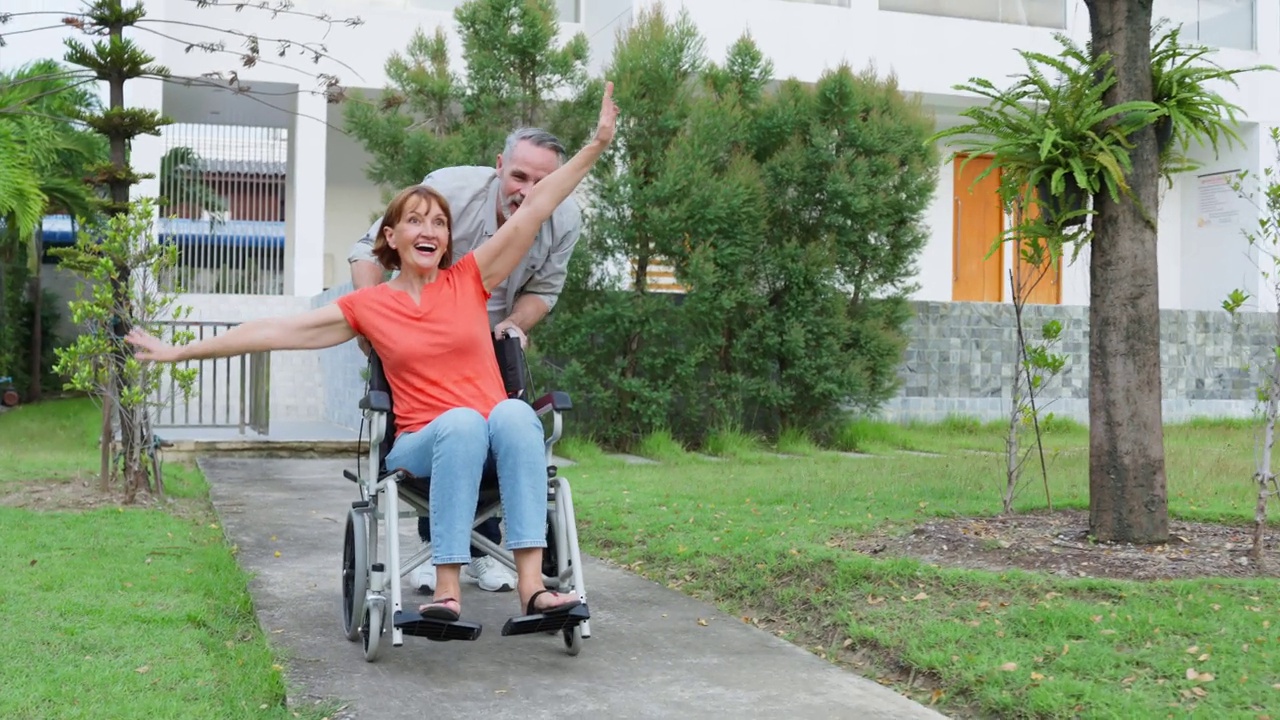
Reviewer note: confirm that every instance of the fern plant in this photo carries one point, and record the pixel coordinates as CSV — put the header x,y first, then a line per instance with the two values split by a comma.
x,y
1051,136
1182,86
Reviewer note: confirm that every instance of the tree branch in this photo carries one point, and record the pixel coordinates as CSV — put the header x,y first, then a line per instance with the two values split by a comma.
x,y
246,91
247,60
9,109
23,32
254,42
281,7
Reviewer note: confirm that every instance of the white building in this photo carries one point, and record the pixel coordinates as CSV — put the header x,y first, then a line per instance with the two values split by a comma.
x,y
930,45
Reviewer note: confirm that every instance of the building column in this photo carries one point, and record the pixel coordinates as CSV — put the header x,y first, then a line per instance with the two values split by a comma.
x,y
305,197
145,151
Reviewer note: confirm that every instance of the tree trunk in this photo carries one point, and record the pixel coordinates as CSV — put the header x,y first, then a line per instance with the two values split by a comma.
x,y
37,324
130,449
1127,495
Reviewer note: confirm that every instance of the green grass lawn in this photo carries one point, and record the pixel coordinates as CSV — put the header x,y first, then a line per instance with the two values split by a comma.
x,y
142,612
762,537
121,612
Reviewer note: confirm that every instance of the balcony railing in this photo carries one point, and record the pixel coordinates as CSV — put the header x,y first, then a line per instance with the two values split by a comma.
x,y
1039,13
1216,23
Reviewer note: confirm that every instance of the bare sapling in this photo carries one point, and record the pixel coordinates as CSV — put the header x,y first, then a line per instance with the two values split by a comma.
x,y
1034,365
1266,238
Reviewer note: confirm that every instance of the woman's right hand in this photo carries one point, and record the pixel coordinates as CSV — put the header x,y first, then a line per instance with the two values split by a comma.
x,y
151,349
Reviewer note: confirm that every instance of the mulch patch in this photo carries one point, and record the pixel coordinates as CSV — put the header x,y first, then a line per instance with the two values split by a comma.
x,y
1058,544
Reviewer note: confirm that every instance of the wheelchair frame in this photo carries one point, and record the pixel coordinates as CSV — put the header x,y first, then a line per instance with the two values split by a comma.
x,y
371,582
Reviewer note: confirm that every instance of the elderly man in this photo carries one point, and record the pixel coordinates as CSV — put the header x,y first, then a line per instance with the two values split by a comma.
x,y
480,200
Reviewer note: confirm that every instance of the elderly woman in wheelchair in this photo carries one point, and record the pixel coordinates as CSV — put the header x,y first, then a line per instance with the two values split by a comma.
x,y
454,421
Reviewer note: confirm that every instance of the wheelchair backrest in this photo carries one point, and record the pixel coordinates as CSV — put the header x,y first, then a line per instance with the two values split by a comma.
x,y
511,363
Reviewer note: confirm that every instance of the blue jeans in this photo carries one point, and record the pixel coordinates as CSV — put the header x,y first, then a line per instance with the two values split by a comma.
x,y
452,451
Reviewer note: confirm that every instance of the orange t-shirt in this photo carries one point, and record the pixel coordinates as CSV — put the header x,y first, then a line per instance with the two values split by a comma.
x,y
438,355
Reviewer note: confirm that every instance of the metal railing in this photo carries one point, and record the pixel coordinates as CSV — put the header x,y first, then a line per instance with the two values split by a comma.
x,y
232,392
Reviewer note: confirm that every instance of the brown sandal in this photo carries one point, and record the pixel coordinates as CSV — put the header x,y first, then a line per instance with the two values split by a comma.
x,y
437,611
531,610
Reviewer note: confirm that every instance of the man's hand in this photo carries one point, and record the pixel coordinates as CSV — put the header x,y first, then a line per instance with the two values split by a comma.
x,y
509,327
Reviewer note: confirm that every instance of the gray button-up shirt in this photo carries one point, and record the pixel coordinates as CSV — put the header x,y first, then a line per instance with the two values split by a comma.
x,y
472,193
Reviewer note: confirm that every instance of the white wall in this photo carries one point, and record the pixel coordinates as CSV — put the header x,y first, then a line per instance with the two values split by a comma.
x,y
1216,257
602,21
933,276
351,202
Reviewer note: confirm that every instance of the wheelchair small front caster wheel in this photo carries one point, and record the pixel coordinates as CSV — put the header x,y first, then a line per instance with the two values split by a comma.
x,y
573,640
372,627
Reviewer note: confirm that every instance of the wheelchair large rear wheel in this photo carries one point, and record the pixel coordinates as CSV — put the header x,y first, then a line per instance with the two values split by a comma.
x,y
355,573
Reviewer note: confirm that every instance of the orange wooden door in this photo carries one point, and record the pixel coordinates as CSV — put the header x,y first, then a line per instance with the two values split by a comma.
x,y
1040,284
978,223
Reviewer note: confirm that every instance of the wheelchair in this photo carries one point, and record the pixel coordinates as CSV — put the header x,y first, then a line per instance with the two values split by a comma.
x,y
371,589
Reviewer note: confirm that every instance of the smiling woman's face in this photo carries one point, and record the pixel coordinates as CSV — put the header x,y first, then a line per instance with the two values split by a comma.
x,y
421,237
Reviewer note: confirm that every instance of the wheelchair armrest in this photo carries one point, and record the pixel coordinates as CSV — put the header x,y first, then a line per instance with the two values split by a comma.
x,y
377,401
557,400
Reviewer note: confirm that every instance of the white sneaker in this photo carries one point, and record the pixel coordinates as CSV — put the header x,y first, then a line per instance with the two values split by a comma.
x,y
491,575
423,578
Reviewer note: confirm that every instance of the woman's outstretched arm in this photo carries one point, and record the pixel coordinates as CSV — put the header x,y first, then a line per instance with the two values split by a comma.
x,y
320,328
498,257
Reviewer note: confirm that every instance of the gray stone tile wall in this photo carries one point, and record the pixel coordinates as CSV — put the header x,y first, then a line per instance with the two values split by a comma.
x,y
960,361
341,372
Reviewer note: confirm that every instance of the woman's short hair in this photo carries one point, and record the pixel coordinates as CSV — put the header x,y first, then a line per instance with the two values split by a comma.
x,y
387,255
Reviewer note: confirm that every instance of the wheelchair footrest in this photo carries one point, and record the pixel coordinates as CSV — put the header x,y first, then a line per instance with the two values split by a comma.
x,y
547,622
412,623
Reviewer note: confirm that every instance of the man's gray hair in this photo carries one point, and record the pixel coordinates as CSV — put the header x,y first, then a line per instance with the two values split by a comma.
x,y
539,137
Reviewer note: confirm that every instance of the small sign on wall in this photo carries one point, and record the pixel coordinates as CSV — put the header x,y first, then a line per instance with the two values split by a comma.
x,y
1217,203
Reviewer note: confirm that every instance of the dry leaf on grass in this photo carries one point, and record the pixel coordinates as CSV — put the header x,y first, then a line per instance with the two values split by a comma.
x,y
1009,666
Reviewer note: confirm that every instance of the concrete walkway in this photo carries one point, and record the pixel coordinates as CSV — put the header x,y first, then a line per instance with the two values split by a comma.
x,y
648,657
